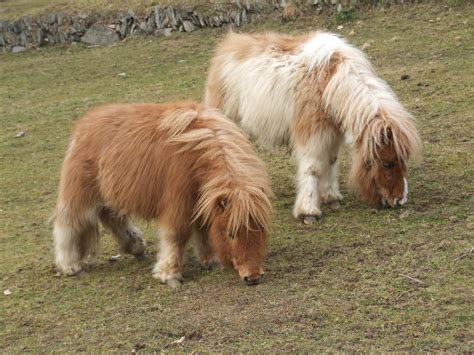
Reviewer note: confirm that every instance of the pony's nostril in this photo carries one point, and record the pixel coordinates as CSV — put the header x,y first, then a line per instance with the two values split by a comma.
x,y
253,280
399,203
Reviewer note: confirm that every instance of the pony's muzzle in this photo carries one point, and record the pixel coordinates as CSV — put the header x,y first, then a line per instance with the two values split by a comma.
x,y
253,280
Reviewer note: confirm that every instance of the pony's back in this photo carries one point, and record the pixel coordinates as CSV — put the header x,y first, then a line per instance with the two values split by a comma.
x,y
121,156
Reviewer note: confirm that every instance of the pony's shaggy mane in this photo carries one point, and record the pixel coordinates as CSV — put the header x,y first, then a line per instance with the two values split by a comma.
x,y
359,101
235,179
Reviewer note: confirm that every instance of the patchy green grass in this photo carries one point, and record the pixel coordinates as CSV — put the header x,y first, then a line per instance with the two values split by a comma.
x,y
341,285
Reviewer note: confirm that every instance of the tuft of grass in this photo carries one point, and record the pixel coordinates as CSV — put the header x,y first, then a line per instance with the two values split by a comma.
x,y
345,15
344,284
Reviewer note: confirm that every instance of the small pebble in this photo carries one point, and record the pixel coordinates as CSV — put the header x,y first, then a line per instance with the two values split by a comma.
x,y
114,257
404,215
366,45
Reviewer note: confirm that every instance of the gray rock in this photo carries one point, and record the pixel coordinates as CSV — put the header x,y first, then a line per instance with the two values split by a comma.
x,y
40,37
124,27
164,32
200,19
51,19
188,26
144,27
171,16
60,17
62,37
244,16
100,35
22,39
18,49
159,17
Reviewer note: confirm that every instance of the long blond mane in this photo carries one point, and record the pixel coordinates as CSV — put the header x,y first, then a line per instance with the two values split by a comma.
x,y
359,101
226,163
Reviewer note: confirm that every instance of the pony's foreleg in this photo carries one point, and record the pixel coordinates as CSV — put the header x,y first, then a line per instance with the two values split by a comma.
x,y
76,237
307,205
203,249
329,185
329,188
168,268
129,237
313,163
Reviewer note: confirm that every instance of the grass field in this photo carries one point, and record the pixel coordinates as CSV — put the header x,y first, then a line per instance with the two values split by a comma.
x,y
361,279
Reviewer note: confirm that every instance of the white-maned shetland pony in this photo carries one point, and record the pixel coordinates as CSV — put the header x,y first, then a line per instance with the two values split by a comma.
x,y
314,92
189,169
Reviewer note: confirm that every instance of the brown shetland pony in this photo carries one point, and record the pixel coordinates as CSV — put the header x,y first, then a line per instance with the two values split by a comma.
x,y
314,92
188,168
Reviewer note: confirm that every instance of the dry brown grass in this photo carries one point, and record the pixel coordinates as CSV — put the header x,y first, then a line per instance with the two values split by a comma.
x,y
344,284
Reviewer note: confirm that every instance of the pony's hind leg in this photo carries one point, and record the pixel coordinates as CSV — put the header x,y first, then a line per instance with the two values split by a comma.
x,y
168,268
129,237
313,165
75,239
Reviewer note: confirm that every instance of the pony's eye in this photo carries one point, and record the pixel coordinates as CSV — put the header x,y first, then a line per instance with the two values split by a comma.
x,y
388,165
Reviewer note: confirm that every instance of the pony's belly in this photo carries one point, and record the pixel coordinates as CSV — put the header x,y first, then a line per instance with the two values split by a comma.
x,y
267,128
261,98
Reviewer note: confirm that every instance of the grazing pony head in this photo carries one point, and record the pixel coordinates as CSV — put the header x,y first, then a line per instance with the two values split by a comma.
x,y
238,229
380,163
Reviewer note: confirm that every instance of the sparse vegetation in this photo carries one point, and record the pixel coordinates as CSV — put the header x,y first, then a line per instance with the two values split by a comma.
x,y
359,280
345,15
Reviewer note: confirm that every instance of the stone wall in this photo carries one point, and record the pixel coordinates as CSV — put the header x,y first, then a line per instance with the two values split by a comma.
x,y
102,29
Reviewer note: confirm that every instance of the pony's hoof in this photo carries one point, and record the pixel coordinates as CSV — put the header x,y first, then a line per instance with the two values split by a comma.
x,y
334,205
309,220
73,270
140,256
211,263
173,283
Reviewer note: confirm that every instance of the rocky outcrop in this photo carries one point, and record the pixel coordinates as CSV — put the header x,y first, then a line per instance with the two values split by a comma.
x,y
99,34
103,29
